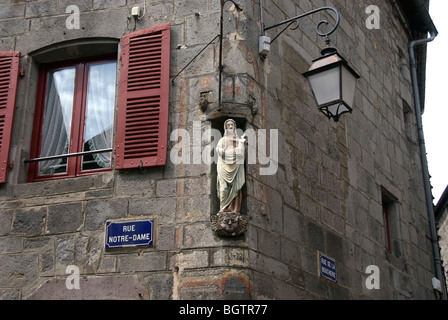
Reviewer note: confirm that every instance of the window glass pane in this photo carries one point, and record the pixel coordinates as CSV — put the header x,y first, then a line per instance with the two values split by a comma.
x,y
57,120
387,242
99,116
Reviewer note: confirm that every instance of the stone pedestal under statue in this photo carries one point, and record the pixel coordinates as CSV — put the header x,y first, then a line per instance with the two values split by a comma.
x,y
229,224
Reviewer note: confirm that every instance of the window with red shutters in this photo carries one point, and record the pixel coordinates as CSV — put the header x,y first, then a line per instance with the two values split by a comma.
x,y
73,128
142,123
9,73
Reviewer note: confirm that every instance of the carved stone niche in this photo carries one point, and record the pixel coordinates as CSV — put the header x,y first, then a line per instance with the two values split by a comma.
x,y
241,96
229,224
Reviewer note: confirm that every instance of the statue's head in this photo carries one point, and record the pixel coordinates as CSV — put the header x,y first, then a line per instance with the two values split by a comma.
x,y
229,126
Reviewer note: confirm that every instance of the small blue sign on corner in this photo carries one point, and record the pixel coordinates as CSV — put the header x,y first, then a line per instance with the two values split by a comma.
x,y
327,268
129,233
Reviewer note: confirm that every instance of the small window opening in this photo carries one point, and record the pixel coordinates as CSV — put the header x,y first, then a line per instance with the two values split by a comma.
x,y
389,207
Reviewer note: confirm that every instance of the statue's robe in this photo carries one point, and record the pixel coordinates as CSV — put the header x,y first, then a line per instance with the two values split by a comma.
x,y
231,177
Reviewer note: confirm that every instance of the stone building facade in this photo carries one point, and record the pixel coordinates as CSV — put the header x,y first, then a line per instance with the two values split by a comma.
x,y
326,193
441,214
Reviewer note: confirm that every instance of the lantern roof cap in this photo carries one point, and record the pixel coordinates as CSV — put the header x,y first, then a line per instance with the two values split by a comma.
x,y
329,56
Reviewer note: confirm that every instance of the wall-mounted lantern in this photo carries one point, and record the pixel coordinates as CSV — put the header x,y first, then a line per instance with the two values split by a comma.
x,y
333,83
332,80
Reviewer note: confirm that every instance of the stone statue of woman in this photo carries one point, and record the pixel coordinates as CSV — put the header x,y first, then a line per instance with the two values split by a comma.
x,y
230,168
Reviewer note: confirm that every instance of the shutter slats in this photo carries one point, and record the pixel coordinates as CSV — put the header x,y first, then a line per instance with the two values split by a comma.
x,y
5,79
9,73
145,62
2,128
144,98
151,58
138,49
152,71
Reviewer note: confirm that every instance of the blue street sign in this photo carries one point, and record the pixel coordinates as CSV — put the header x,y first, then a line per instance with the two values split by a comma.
x,y
130,233
327,268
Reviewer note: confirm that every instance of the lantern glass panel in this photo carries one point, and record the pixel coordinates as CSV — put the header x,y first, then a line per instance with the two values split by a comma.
x,y
348,86
326,85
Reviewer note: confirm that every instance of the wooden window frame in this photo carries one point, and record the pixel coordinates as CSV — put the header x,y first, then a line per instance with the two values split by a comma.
x,y
74,168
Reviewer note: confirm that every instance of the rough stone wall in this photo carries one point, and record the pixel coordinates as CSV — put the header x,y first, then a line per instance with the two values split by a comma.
x,y
50,225
442,231
325,197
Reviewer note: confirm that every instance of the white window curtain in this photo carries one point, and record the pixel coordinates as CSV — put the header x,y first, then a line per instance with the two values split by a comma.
x,y
100,111
57,119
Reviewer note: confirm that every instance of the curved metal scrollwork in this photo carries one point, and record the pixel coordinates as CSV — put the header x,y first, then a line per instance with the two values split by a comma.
x,y
319,30
338,19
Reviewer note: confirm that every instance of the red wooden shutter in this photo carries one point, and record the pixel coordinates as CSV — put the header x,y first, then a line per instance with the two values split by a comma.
x,y
9,75
142,125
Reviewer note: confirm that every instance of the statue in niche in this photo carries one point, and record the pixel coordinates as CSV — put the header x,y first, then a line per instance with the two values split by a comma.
x,y
230,180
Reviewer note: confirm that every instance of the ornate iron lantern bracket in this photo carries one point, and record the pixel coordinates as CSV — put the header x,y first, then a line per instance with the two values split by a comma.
x,y
265,42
